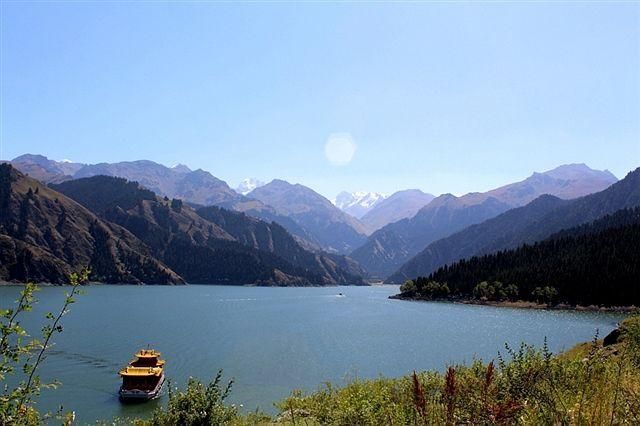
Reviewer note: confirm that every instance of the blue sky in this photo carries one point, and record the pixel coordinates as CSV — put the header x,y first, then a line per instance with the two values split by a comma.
x,y
445,97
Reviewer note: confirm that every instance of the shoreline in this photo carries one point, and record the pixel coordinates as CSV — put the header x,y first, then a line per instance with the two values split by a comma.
x,y
99,283
522,304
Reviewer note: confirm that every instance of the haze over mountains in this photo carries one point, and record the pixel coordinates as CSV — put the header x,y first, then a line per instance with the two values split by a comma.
x,y
44,236
391,246
126,234
404,224
533,222
331,227
400,205
358,203
595,263
248,185
202,188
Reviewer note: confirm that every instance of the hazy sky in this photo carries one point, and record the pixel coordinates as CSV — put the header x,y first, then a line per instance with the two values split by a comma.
x,y
445,97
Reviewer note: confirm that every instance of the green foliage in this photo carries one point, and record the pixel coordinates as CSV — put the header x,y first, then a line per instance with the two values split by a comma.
x,y
495,291
101,194
630,335
544,294
21,354
430,290
409,287
197,405
594,264
523,386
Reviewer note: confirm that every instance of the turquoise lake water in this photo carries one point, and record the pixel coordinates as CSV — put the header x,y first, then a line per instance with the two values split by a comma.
x,y
273,340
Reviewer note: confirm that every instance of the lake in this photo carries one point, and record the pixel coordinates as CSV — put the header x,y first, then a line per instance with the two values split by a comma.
x,y
273,340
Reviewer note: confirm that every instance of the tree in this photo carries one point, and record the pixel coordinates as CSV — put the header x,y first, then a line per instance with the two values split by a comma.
x,y
483,291
544,294
512,292
409,287
22,354
176,205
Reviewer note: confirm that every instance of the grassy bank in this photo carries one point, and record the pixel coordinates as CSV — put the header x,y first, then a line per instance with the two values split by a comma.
x,y
593,383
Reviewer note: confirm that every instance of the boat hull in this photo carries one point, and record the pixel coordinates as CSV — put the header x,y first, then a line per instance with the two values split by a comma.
x,y
140,395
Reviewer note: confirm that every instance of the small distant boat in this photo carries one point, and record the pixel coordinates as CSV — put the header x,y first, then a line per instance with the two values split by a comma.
x,y
143,378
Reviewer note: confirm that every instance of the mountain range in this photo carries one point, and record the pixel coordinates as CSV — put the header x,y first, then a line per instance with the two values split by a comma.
x,y
331,228
403,224
199,187
357,204
535,221
44,236
127,234
387,249
399,205
595,263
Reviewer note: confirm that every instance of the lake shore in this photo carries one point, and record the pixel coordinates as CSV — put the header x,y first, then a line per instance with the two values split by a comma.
x,y
522,304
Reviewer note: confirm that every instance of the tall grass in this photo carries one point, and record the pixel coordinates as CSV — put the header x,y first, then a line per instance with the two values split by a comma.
x,y
591,385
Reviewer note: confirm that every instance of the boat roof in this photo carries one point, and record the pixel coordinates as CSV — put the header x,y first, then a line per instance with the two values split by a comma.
x,y
141,371
147,353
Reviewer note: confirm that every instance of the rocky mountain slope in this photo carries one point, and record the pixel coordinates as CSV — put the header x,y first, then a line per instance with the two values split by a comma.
x,y
45,235
329,226
195,187
210,245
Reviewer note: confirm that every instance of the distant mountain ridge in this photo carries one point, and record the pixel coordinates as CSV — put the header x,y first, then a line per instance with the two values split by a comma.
x,y
196,187
533,222
319,226
357,204
391,246
330,227
399,205
248,185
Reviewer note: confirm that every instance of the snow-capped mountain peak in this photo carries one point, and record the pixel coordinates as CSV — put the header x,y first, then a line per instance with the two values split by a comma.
x,y
181,168
248,185
358,203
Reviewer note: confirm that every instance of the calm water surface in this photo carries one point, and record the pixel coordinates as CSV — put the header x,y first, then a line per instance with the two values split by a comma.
x,y
272,340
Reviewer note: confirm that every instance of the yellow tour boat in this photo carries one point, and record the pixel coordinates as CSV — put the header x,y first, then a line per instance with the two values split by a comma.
x,y
143,378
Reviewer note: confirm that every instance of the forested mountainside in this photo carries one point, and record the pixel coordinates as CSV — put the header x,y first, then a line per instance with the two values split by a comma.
x,y
592,264
45,235
274,238
334,230
533,222
210,245
389,248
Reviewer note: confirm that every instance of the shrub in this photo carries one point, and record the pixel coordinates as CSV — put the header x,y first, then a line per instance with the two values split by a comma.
x,y
21,354
545,294
524,386
409,287
197,405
